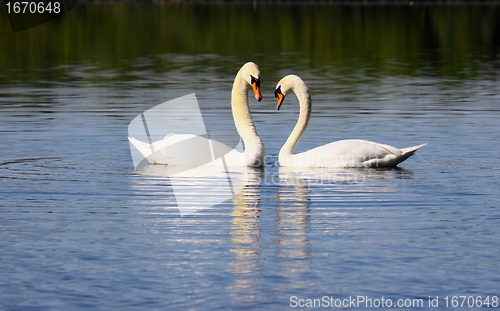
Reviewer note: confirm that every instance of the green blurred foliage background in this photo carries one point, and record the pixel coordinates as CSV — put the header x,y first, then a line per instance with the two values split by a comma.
x,y
424,39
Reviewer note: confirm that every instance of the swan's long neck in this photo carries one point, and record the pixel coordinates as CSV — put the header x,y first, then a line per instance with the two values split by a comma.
x,y
304,98
254,148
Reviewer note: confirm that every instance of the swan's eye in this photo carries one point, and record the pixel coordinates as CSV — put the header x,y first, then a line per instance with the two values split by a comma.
x,y
255,80
277,91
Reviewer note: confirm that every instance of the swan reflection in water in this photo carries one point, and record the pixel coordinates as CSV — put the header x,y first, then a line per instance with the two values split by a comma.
x,y
270,223
267,235
329,185
246,244
187,190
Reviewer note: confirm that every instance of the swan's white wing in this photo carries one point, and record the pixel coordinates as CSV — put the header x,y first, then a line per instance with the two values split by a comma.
x,y
352,153
146,149
343,153
187,150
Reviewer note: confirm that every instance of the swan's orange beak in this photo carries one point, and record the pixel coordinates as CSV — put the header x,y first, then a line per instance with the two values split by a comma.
x,y
280,97
256,91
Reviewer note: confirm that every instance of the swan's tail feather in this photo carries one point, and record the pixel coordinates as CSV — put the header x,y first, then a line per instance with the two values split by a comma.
x,y
144,148
411,150
405,154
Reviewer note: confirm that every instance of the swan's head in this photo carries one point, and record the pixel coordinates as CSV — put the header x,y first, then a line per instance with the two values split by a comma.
x,y
287,85
251,74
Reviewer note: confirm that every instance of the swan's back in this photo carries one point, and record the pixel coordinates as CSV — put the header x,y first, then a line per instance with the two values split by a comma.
x,y
351,153
182,150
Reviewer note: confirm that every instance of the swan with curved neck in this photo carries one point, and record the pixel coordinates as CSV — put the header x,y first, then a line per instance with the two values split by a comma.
x,y
248,75
343,153
192,150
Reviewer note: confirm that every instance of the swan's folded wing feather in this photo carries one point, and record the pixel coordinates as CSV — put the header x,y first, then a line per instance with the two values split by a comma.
x,y
184,150
389,149
347,153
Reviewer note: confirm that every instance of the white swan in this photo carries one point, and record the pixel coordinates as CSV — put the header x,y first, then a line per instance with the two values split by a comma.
x,y
192,150
343,153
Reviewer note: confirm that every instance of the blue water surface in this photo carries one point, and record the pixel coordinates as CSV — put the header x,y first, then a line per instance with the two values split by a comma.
x,y
81,229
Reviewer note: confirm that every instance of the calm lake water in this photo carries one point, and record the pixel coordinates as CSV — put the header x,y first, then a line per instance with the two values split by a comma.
x,y
82,229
